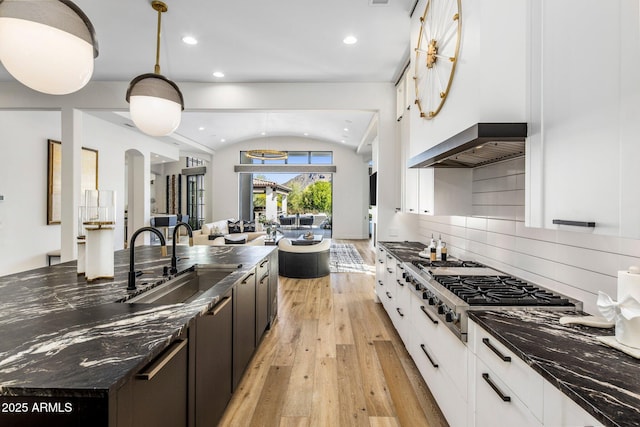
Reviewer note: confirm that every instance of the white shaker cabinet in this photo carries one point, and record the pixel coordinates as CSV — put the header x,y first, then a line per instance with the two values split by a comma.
x,y
582,148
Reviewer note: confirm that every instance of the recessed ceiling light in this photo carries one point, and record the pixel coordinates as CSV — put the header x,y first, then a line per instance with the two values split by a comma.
x,y
346,129
189,40
218,74
156,155
222,140
306,134
263,133
342,140
201,128
350,40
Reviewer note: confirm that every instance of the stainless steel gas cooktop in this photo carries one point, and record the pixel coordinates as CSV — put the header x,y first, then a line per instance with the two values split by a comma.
x,y
451,288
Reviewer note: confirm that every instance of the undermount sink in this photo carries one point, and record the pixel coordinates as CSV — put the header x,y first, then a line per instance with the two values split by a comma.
x,y
187,287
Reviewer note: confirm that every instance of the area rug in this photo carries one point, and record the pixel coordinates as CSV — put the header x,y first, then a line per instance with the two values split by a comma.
x,y
345,258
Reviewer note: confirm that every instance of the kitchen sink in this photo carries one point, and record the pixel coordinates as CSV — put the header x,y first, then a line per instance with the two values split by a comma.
x,y
186,287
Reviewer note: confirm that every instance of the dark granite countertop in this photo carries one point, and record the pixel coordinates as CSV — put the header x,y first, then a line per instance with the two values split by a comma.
x,y
59,332
404,251
602,380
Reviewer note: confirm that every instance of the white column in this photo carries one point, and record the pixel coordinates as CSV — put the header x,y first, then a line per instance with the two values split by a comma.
x,y
271,205
285,197
70,180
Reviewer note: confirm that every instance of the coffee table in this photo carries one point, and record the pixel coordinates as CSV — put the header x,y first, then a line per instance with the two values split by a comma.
x,y
301,240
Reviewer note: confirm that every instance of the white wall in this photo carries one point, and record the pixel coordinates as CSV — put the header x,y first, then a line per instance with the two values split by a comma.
x,y
350,183
575,264
25,237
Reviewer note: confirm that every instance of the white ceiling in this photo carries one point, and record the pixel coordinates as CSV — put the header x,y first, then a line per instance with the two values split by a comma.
x,y
255,41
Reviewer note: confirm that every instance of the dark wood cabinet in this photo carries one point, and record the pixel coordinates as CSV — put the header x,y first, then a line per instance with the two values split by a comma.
x,y
157,395
262,299
273,287
213,362
244,324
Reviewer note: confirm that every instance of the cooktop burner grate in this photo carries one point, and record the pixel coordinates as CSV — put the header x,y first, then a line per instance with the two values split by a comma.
x,y
499,291
448,263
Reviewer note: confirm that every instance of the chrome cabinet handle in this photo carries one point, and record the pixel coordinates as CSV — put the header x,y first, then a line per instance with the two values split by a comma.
x,y
424,350
162,361
424,310
495,388
399,311
504,358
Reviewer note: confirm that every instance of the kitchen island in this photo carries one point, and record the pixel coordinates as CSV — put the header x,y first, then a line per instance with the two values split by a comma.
x,y
67,347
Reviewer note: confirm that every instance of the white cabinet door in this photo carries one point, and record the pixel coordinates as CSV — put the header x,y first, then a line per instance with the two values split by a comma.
x,y
381,264
426,191
497,404
400,98
411,191
582,140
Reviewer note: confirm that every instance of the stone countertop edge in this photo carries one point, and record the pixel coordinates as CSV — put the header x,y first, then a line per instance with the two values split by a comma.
x,y
26,336
601,380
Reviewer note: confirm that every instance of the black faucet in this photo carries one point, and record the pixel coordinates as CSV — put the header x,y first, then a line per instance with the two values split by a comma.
x,y
174,259
131,286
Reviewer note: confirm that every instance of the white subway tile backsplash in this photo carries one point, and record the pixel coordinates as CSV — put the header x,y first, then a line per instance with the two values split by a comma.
x,y
575,264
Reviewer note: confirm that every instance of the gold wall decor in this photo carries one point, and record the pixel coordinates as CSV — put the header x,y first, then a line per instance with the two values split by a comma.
x,y
89,178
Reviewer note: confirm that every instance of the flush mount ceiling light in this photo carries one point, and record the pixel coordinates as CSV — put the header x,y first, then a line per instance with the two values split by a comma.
x,y
350,40
267,154
47,45
155,102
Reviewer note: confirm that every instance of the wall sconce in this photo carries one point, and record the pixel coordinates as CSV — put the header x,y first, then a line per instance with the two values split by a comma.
x,y
47,45
155,102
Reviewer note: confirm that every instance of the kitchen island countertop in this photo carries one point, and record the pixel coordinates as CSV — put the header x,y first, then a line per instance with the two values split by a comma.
x,y
60,333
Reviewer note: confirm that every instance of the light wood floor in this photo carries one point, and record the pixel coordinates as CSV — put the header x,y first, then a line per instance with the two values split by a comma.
x,y
332,358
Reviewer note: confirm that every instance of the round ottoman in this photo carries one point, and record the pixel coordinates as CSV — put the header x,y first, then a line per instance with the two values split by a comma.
x,y
303,261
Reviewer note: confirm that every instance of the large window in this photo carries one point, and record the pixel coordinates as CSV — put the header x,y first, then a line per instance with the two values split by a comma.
x,y
293,158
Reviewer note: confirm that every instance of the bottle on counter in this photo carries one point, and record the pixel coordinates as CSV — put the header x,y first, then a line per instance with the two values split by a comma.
x,y
439,248
432,243
443,252
432,253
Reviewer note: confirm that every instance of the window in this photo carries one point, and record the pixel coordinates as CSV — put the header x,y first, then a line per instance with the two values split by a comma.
x,y
293,158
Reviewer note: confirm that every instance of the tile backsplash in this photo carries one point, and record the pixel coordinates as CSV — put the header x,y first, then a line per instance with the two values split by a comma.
x,y
576,264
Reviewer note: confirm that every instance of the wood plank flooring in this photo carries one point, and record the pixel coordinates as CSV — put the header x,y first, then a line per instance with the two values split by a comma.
x,y
332,358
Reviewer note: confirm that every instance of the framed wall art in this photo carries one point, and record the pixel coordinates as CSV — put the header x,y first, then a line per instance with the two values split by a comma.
x,y
89,177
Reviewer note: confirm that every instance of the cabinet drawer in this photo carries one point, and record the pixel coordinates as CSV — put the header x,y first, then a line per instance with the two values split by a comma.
x,y
448,349
559,410
522,379
497,404
401,313
450,401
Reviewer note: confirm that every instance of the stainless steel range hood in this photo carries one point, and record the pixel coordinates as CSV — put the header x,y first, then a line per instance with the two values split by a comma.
x,y
481,144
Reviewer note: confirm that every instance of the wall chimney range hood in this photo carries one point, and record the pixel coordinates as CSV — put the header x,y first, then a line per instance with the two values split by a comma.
x,y
481,144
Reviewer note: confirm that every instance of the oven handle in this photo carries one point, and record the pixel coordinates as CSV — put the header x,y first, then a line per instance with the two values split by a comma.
x,y
504,358
424,310
424,349
495,388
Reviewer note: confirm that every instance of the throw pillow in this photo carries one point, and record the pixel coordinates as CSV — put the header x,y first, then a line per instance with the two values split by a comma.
x,y
234,226
248,226
204,229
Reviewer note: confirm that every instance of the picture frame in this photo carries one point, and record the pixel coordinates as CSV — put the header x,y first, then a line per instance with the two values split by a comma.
x,y
89,177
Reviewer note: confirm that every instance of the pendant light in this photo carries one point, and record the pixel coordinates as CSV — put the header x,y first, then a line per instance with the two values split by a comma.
x,y
155,102
47,45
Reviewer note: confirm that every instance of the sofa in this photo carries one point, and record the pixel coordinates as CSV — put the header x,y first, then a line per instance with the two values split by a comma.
x,y
225,236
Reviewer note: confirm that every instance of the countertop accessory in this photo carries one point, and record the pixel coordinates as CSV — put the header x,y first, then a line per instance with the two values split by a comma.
x,y
593,321
612,342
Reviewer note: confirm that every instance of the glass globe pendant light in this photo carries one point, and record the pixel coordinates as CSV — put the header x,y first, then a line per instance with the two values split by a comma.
x,y
155,102
47,45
